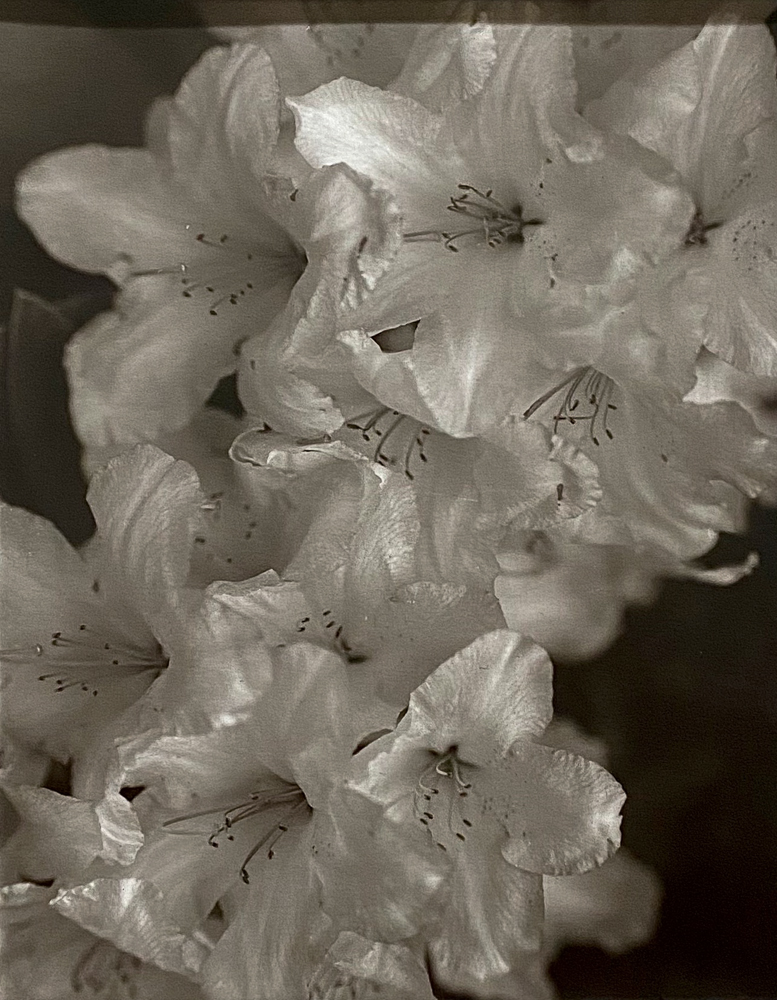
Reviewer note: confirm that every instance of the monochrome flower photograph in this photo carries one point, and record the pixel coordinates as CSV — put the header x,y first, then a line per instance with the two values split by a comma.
x,y
388,474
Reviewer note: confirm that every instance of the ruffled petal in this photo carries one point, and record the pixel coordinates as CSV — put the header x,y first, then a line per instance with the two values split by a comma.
x,y
532,88
147,508
364,967
740,285
95,207
717,90
354,235
379,874
132,914
527,483
447,64
673,473
389,138
717,381
562,811
492,925
47,957
58,835
483,698
148,366
222,125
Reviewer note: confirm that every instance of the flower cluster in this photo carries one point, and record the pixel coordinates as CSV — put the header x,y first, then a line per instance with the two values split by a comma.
x,y
501,308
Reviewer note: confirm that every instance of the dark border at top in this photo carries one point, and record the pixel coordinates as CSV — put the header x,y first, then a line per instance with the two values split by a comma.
x,y
208,13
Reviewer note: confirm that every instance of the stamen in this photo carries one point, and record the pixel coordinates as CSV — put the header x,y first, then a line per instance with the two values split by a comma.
x,y
381,455
593,389
255,804
82,662
273,836
446,766
497,224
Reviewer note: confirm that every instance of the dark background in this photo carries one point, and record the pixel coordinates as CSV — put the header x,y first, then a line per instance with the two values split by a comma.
x,y
686,699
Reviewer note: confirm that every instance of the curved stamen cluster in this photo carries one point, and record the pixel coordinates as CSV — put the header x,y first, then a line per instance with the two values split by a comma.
x,y
372,429
334,629
221,282
447,766
103,660
257,803
496,223
585,386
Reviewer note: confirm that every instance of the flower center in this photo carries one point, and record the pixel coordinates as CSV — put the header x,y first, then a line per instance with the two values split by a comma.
x,y
383,425
432,810
227,276
90,659
697,231
290,799
495,223
586,398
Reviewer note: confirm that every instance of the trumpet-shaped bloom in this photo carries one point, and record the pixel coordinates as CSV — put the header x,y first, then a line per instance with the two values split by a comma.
x,y
234,816
718,128
46,957
203,234
358,580
513,210
85,634
463,776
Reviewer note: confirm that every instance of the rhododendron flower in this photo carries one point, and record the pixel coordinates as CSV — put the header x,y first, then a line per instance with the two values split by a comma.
x,y
85,634
717,126
46,957
463,773
513,211
200,230
359,580
234,816
467,492
673,473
